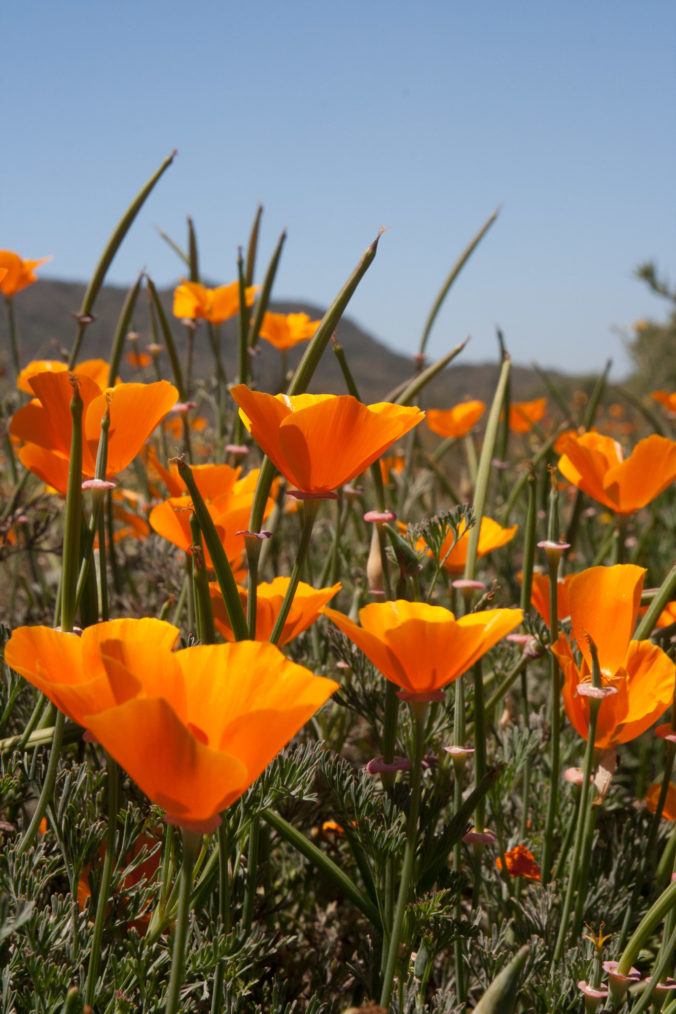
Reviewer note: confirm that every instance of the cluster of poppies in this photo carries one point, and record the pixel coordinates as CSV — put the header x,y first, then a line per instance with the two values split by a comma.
x,y
195,727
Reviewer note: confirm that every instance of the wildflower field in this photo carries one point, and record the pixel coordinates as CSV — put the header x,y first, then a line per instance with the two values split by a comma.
x,y
312,705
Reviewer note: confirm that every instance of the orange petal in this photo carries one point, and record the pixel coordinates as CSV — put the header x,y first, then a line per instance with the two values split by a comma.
x,y
604,603
172,766
135,411
456,421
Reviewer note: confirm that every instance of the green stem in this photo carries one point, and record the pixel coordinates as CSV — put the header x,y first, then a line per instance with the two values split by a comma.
x,y
455,271
419,710
106,878
485,468
219,560
309,513
47,786
324,864
181,928
251,874
585,803
84,317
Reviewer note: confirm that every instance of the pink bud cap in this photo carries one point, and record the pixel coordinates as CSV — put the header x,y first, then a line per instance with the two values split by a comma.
x,y
102,484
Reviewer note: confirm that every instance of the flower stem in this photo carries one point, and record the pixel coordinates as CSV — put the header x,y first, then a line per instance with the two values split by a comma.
x,y
581,840
309,513
190,840
106,877
419,718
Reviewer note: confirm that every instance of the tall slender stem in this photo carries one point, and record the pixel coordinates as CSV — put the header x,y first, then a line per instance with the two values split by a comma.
x,y
190,841
419,710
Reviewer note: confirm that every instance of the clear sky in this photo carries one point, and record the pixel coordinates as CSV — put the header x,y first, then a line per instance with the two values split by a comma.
x,y
344,117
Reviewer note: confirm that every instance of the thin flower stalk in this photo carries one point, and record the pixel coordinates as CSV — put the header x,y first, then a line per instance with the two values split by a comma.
x,y
222,568
122,329
485,468
419,714
582,813
203,612
112,789
324,864
263,300
68,588
526,584
648,851
84,317
657,912
190,841
308,511
450,279
553,561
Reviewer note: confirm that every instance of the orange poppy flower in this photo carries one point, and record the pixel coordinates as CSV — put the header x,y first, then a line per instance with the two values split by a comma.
x,y
145,870
491,536
666,399
139,360
666,617
539,595
604,604
228,501
193,728
284,330
596,465
96,369
456,421
520,862
15,273
215,305
321,441
305,608
524,414
420,647
391,463
45,425
652,796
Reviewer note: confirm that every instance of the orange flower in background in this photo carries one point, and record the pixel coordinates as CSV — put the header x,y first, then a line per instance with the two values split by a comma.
x,y
45,426
456,421
596,465
420,647
321,441
130,515
284,330
652,798
15,273
229,503
96,369
666,617
604,604
520,863
523,415
139,360
491,536
666,399
193,728
215,305
539,595
305,608
392,463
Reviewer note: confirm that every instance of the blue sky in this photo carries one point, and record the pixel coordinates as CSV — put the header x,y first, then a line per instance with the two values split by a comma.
x,y
341,118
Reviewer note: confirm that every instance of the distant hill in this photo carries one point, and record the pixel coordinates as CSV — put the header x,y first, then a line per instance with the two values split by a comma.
x,y
44,315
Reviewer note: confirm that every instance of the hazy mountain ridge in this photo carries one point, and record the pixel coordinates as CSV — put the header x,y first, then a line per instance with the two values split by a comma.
x,y
46,325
